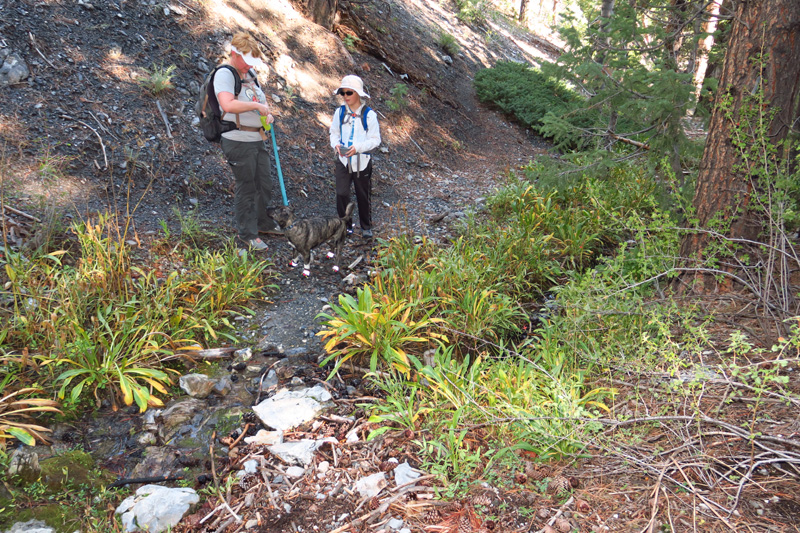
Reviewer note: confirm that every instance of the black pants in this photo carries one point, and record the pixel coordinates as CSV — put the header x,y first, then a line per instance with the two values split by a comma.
x,y
362,182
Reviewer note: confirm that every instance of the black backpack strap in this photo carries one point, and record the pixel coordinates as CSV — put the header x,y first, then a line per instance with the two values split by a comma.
x,y
237,88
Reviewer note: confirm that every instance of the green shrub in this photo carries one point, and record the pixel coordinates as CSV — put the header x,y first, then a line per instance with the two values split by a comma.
x,y
398,100
524,92
103,324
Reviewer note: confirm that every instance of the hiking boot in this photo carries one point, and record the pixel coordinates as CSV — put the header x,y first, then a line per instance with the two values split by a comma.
x,y
257,244
366,233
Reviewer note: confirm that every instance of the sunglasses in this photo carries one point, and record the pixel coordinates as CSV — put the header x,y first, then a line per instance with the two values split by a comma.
x,y
346,93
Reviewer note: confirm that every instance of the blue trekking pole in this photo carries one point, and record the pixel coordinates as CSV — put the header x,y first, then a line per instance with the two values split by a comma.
x,y
269,128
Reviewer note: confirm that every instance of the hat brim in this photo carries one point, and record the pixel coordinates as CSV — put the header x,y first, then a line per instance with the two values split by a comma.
x,y
360,92
250,59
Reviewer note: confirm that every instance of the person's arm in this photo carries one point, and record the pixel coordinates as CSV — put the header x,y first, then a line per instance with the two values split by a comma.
x,y
229,104
223,87
373,137
335,131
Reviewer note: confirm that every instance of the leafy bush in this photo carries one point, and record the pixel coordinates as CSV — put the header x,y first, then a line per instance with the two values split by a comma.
x,y
111,322
380,330
526,93
16,409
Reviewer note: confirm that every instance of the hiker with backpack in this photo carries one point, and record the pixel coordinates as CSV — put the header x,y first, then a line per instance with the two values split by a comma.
x,y
242,104
354,132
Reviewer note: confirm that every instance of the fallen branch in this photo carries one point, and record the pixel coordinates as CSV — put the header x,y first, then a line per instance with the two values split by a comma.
x,y
164,118
102,145
20,213
134,480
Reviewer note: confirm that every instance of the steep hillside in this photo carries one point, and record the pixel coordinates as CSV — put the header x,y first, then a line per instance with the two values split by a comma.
x,y
83,126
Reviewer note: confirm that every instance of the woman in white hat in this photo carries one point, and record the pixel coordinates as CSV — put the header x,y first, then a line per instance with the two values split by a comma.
x,y
244,146
354,133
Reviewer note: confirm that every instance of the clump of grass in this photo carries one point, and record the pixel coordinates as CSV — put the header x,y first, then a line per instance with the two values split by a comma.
x,y
448,43
472,11
158,79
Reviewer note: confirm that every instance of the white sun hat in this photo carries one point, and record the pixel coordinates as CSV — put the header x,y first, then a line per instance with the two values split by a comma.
x,y
352,82
250,59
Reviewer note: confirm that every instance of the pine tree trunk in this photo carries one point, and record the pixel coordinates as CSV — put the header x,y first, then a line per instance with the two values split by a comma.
x,y
523,10
724,192
704,46
323,12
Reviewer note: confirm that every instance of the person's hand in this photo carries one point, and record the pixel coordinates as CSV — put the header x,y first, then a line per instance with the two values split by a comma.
x,y
344,151
264,111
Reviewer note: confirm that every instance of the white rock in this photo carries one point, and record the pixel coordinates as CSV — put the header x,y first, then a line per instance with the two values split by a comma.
x,y
295,471
370,486
288,409
155,508
299,452
395,523
403,473
250,467
265,438
31,526
323,467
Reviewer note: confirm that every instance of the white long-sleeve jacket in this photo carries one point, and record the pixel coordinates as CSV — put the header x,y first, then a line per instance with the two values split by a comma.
x,y
352,134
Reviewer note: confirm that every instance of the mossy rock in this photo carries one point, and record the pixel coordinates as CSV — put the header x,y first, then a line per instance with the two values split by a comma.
x,y
71,469
60,518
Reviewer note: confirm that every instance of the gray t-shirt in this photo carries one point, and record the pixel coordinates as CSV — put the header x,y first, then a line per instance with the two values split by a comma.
x,y
225,82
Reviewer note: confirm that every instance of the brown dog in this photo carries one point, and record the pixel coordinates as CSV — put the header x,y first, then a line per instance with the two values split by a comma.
x,y
306,234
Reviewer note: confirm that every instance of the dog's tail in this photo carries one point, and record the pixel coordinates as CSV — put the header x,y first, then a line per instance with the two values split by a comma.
x,y
348,212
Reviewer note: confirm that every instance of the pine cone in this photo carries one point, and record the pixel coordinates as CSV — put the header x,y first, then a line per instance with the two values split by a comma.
x,y
387,466
464,525
453,507
432,516
563,525
490,525
374,503
559,485
520,478
249,417
248,481
536,472
482,499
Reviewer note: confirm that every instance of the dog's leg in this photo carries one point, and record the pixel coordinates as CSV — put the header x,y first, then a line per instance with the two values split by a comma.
x,y
306,262
337,245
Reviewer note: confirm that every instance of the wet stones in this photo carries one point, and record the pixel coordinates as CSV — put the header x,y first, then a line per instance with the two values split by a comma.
x,y
196,385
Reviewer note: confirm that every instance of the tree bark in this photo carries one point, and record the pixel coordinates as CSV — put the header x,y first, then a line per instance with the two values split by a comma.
x,y
705,44
323,12
724,191
523,10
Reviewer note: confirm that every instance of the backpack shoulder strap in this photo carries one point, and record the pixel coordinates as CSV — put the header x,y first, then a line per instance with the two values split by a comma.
x,y
237,80
367,109
341,119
